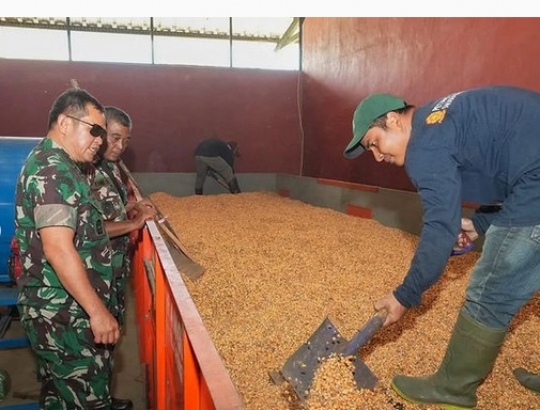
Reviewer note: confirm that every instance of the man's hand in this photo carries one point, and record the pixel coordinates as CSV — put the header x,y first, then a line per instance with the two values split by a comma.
x,y
105,328
141,216
60,252
139,206
395,309
466,235
467,227
142,211
145,203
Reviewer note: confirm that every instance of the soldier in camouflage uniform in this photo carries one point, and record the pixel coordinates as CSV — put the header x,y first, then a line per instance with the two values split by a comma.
x,y
112,193
66,297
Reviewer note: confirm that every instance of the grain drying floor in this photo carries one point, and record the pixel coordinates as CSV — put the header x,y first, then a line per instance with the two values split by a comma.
x,y
276,267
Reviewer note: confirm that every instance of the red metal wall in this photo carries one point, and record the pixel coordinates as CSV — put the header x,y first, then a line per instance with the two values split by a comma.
x,y
345,59
172,108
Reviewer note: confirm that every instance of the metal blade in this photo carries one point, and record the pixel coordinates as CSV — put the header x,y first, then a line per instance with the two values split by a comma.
x,y
299,370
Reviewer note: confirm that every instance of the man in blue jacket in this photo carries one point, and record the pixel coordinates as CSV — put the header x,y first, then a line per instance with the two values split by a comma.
x,y
481,145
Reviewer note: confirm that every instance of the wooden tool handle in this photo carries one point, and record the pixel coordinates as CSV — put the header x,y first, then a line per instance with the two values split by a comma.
x,y
160,217
138,193
131,178
218,178
162,221
366,333
171,235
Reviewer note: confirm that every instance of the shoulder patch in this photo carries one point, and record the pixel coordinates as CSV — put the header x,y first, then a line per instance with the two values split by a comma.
x,y
436,117
438,112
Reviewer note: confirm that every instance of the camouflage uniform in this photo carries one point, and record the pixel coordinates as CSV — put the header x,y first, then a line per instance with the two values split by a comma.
x,y
52,191
111,192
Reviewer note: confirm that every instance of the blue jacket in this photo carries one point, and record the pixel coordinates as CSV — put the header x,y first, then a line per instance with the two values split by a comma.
x,y
481,146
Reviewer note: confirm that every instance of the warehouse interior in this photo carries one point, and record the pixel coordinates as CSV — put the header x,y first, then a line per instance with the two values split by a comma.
x,y
291,125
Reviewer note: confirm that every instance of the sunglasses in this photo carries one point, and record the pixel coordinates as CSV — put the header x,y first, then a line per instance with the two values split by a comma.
x,y
96,130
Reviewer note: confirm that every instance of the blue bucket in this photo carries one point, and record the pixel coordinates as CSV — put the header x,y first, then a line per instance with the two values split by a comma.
x,y
13,153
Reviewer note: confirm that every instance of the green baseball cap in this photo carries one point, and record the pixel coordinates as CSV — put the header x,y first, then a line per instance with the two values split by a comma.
x,y
369,109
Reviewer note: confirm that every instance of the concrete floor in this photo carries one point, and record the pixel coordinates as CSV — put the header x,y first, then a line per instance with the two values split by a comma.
x,y
129,377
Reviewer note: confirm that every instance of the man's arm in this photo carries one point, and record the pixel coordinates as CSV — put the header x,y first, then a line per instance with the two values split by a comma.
x,y
139,205
119,228
438,182
63,257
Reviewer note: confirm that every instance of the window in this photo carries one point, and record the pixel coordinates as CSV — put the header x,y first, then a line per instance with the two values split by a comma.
x,y
111,47
27,43
264,55
258,42
247,52
192,51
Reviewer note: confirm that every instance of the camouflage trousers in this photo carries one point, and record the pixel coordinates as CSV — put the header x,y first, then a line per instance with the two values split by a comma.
x,y
75,372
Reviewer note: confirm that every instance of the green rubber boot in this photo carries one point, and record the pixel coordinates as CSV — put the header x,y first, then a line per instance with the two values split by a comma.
x,y
527,379
470,355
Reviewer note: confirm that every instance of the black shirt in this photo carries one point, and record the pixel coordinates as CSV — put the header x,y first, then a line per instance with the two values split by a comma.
x,y
214,147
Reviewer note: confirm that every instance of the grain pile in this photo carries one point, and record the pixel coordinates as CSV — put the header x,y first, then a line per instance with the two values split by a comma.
x,y
276,267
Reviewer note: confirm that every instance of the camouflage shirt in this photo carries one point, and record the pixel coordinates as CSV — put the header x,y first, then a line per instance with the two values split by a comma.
x,y
112,194
53,191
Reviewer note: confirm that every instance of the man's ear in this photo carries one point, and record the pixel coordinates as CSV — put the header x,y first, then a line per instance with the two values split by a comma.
x,y
393,120
62,122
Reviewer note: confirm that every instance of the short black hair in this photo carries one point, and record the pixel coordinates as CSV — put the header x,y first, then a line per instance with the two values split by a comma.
x,y
73,101
381,121
117,115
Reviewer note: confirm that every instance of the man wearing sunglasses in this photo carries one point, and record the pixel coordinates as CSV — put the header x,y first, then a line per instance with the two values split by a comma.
x,y
66,297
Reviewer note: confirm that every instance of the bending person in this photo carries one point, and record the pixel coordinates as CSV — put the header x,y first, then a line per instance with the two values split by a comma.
x,y
480,146
215,157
